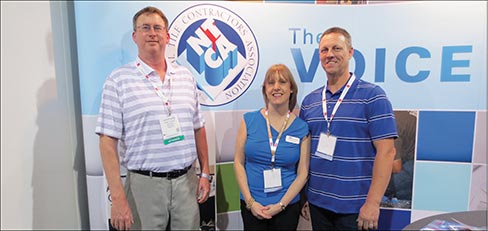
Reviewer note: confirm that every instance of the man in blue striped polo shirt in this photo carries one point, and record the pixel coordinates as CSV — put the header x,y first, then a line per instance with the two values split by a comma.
x,y
353,129
150,122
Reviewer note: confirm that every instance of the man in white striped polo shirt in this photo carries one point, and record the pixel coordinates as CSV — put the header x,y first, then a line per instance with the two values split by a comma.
x,y
150,122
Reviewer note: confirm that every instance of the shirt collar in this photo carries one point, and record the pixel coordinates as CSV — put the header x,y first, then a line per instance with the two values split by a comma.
x,y
342,88
170,70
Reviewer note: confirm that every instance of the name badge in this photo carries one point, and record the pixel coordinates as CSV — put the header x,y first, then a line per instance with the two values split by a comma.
x,y
170,127
326,146
272,180
292,139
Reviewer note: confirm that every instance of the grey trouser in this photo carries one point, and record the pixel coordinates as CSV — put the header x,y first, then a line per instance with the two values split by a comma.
x,y
154,201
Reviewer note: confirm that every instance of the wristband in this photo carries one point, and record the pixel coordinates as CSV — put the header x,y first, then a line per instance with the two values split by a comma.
x,y
282,206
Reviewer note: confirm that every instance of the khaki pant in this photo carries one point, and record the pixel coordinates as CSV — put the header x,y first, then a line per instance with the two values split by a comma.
x,y
154,201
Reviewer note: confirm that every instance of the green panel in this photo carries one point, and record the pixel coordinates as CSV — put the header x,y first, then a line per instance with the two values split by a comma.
x,y
227,189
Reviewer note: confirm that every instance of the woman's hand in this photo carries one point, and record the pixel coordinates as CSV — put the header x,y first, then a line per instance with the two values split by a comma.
x,y
260,211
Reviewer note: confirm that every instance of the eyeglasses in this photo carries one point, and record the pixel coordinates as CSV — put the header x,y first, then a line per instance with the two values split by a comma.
x,y
147,28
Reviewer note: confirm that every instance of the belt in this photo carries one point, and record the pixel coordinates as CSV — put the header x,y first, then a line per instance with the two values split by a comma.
x,y
170,175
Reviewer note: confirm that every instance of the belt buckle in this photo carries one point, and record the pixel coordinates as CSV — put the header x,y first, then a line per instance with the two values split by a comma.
x,y
172,175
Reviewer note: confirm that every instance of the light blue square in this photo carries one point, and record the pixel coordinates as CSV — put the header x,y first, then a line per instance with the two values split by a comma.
x,y
441,186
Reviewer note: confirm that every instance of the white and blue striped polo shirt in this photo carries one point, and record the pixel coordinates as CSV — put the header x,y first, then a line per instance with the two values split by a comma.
x,y
130,110
365,115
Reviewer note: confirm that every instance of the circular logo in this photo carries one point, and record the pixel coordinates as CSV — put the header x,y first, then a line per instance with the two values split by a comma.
x,y
219,48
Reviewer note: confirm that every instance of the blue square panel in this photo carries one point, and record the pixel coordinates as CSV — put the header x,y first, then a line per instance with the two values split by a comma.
x,y
441,187
391,219
445,136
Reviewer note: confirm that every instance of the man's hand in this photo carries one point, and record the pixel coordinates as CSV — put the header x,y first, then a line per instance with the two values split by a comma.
x,y
368,216
203,189
305,213
121,215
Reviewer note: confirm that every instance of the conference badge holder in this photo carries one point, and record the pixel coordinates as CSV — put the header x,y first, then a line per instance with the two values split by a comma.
x,y
326,146
272,180
170,126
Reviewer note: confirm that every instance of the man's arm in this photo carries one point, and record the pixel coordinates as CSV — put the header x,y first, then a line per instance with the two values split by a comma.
x,y
121,215
369,212
202,151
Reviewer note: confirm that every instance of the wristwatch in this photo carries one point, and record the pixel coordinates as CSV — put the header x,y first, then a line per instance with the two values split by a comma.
x,y
205,175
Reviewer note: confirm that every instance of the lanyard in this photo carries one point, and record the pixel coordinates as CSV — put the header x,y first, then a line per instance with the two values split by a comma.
x,y
324,102
165,99
274,145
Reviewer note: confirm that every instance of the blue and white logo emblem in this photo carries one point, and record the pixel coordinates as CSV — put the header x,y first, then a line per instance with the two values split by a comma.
x,y
219,48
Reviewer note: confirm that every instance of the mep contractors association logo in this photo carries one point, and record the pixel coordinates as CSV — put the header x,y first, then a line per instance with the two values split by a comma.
x,y
219,48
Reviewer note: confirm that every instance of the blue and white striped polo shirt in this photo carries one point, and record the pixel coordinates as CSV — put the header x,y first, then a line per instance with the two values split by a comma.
x,y
130,110
365,115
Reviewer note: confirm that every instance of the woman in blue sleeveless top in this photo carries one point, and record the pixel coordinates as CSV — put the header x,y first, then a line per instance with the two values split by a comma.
x,y
272,156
